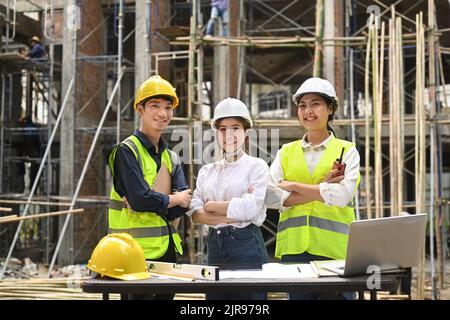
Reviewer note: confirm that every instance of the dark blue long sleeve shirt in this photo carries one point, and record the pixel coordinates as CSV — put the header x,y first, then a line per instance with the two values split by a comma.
x,y
129,180
37,51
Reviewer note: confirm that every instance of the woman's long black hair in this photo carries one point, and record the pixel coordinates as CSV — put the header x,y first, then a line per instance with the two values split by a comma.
x,y
333,104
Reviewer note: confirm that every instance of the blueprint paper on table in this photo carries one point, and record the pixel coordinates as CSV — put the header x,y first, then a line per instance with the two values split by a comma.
x,y
272,271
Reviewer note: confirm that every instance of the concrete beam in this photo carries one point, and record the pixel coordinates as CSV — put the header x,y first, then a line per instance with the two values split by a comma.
x,y
141,48
26,27
32,5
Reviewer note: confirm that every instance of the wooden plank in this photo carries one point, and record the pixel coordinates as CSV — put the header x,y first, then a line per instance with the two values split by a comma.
x,y
42,215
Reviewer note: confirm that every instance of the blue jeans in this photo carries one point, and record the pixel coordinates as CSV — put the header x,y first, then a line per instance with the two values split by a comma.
x,y
306,258
223,14
231,248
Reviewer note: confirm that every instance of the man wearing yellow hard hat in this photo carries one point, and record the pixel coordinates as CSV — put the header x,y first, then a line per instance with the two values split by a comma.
x,y
134,164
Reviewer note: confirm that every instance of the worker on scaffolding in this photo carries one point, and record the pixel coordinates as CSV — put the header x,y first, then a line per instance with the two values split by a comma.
x,y
317,189
219,9
135,162
37,50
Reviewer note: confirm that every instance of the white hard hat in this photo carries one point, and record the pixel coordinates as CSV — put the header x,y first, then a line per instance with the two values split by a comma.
x,y
231,107
316,85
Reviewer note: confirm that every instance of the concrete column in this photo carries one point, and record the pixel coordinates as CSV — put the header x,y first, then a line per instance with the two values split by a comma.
x,y
333,56
339,22
67,160
234,58
221,79
329,32
141,46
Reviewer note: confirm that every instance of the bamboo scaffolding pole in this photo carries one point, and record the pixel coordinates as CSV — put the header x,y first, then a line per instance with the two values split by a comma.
x,y
295,41
47,281
380,113
375,114
410,120
377,72
41,215
43,203
392,114
2,209
396,114
53,289
8,217
434,180
401,117
420,142
367,122
438,221
192,90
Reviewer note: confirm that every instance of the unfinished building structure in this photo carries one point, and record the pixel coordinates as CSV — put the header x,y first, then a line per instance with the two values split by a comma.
x,y
389,62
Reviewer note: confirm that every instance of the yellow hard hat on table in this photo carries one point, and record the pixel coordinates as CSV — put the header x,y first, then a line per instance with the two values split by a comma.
x,y
119,256
155,86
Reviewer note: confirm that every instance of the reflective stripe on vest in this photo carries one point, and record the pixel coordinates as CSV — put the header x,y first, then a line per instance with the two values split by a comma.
x,y
292,223
116,205
313,222
133,146
147,232
328,225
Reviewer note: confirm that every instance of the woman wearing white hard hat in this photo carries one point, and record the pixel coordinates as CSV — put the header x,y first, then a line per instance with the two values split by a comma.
x,y
229,197
318,176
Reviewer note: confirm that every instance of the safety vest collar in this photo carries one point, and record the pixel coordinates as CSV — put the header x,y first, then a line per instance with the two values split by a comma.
x,y
145,141
329,150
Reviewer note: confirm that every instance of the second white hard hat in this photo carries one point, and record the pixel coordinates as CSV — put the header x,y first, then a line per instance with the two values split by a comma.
x,y
316,85
231,107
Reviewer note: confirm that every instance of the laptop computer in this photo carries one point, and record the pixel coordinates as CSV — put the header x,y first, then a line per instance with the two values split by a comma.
x,y
389,243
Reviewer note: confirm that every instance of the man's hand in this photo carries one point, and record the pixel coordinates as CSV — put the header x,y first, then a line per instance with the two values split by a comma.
x,y
182,198
127,204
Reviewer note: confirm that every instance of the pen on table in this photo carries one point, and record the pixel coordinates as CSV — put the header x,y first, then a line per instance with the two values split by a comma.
x,y
298,268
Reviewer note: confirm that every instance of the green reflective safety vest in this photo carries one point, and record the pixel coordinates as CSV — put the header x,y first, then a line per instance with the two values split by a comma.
x,y
313,227
148,228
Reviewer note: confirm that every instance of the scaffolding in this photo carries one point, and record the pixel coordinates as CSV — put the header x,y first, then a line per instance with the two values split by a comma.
x,y
401,148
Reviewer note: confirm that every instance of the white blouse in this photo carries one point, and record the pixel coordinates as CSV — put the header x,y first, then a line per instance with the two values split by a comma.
x,y
230,181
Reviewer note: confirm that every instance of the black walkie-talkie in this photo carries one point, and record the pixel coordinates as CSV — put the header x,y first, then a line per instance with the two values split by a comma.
x,y
338,164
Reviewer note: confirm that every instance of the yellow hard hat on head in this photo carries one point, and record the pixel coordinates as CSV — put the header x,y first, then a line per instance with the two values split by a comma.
x,y
36,38
119,256
155,86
